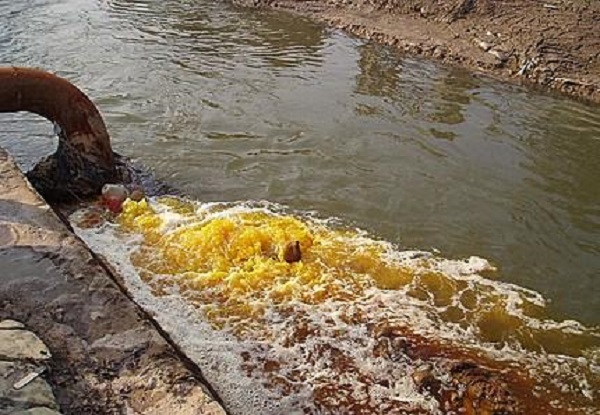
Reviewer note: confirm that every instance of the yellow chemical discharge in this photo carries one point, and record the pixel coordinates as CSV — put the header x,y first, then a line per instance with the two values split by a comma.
x,y
349,300
238,260
232,266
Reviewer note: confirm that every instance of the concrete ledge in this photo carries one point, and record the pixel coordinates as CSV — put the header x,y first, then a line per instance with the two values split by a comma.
x,y
107,356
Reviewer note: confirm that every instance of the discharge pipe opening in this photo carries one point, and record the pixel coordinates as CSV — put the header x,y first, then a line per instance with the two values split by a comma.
x,y
84,160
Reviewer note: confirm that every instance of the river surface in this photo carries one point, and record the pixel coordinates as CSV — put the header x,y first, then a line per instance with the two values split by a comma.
x,y
231,104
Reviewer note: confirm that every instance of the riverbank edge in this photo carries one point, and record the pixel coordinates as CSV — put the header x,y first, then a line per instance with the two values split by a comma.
x,y
424,33
106,355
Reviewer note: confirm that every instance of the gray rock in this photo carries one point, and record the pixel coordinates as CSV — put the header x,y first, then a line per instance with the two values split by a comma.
x,y
22,344
11,324
35,393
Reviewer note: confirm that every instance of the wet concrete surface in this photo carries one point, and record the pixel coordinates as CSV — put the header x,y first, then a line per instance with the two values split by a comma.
x,y
107,356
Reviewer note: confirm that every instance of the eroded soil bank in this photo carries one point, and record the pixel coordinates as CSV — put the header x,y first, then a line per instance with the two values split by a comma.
x,y
553,44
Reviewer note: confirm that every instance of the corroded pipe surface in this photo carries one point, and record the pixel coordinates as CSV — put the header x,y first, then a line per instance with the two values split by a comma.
x,y
84,160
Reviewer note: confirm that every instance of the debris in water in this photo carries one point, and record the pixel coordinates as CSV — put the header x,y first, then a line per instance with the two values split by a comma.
x,y
28,379
292,252
91,218
137,195
113,196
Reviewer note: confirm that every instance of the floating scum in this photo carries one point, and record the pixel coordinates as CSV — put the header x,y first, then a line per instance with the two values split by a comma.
x,y
355,326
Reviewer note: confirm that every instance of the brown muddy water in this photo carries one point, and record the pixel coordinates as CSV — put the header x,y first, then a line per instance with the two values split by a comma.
x,y
230,105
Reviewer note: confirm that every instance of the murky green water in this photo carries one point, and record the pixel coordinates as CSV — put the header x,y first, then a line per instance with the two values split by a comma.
x,y
231,104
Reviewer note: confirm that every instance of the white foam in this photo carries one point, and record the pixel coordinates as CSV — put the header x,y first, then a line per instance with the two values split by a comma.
x,y
241,383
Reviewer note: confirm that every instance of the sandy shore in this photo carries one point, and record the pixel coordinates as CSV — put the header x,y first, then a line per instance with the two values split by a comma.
x,y
554,45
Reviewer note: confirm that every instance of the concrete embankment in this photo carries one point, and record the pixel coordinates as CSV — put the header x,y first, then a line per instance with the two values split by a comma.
x,y
98,352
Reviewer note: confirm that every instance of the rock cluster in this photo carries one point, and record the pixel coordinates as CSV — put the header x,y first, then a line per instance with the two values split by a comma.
x,y
23,358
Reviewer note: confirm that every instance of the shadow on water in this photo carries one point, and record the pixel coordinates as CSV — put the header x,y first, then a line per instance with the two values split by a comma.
x,y
259,40
380,74
441,103
455,93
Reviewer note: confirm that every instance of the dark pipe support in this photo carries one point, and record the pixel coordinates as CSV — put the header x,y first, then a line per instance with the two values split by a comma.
x,y
84,160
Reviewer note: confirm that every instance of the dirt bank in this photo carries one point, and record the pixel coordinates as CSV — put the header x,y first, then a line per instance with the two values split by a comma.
x,y
553,44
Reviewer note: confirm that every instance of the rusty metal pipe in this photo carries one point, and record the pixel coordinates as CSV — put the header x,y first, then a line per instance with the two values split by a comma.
x,y
84,155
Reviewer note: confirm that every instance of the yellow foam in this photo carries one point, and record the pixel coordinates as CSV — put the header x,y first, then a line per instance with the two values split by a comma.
x,y
241,256
232,265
